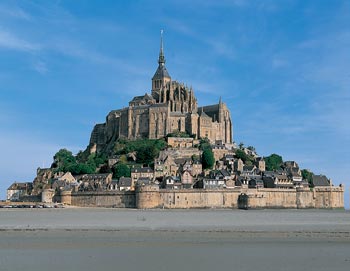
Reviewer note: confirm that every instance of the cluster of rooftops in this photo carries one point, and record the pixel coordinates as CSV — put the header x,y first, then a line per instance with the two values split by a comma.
x,y
176,169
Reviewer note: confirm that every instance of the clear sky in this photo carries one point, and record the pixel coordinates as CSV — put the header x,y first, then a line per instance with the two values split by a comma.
x,y
282,67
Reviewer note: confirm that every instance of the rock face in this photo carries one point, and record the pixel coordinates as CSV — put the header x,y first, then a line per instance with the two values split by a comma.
x,y
171,107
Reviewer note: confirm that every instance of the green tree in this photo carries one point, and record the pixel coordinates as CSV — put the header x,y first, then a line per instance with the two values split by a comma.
x,y
121,170
80,168
208,159
240,154
204,143
105,169
247,159
63,159
146,154
273,162
307,175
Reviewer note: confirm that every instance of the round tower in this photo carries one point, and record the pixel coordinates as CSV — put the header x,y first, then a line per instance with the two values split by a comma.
x,y
147,196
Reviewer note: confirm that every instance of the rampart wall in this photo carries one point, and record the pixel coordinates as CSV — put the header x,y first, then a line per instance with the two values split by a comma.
x,y
150,197
117,199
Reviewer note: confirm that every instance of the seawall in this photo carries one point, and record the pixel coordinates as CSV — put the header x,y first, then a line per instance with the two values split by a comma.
x,y
150,197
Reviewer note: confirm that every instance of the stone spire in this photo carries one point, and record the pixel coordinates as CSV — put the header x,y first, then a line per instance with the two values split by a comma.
x,y
161,59
161,76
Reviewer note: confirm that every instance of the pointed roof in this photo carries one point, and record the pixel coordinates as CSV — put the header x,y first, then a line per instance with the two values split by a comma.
x,y
161,71
203,114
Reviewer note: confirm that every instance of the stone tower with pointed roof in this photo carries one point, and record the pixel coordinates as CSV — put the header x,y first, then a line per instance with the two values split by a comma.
x,y
171,107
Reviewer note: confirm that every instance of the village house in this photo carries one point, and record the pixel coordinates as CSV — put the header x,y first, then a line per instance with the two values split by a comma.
x,y
249,170
143,181
255,182
16,190
124,184
94,182
209,183
320,181
113,185
165,167
283,181
180,142
142,172
171,182
187,179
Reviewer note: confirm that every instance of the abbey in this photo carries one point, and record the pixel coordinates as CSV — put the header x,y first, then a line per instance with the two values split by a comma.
x,y
171,107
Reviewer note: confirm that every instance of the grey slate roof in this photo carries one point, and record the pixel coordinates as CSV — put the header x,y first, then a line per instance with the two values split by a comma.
x,y
124,182
320,180
225,173
143,180
161,72
87,177
20,186
248,168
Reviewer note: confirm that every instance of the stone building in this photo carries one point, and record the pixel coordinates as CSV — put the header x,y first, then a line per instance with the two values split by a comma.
x,y
171,107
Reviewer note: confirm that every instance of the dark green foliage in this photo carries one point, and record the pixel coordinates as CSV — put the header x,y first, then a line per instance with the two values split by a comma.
x,y
146,154
146,149
63,159
121,170
195,157
79,168
204,143
208,159
307,175
82,156
241,155
105,169
273,162
247,159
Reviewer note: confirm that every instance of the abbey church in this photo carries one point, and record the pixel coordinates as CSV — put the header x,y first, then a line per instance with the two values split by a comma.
x,y
171,107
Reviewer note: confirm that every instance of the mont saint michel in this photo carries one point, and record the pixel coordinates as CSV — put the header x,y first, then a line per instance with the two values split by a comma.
x,y
165,151
221,142
171,107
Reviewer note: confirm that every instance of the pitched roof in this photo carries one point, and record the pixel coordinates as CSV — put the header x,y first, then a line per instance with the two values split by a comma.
x,y
248,168
20,186
161,72
143,180
320,180
225,173
124,182
204,115
87,177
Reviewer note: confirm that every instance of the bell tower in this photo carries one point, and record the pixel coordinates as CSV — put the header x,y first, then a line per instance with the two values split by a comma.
x,y
161,76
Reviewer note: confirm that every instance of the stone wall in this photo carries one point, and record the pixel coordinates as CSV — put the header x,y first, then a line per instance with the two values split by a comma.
x,y
150,197
228,198
118,199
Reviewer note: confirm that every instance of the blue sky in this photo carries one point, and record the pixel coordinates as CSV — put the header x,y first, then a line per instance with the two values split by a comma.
x,y
282,67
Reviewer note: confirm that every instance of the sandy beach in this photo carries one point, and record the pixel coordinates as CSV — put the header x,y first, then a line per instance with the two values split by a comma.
x,y
105,239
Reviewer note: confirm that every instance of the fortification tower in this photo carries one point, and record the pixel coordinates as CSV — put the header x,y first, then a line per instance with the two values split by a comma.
x,y
161,76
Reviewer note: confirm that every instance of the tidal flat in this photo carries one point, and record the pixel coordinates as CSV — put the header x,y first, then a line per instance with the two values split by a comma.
x,y
125,239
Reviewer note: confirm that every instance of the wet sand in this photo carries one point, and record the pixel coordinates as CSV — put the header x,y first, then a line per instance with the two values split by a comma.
x,y
106,239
